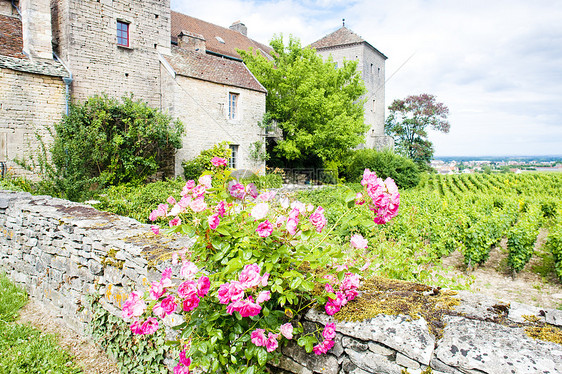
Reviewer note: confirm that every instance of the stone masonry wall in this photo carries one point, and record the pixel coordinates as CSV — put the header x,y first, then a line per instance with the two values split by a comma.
x,y
29,105
62,251
203,109
85,34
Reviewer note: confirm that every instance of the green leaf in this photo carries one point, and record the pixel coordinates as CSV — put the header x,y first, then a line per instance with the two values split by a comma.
x,y
262,356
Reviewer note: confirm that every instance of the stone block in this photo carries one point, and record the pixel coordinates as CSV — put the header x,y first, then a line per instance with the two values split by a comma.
x,y
319,364
356,345
373,363
407,362
554,317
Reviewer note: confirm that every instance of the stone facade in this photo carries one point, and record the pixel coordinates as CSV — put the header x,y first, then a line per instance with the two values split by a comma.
x,y
344,45
62,251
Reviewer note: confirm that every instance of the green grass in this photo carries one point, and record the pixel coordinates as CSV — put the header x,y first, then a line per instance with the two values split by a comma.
x,y
24,349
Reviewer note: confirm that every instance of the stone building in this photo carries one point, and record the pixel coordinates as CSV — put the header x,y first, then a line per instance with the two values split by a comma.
x,y
344,45
178,64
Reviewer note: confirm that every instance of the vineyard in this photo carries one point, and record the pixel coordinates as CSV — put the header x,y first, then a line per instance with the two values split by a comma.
x,y
474,212
468,213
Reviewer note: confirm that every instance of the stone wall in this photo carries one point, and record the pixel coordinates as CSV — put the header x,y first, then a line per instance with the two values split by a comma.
x,y
85,35
203,109
30,104
61,251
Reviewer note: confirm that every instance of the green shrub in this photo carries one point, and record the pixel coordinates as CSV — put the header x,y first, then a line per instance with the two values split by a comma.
x,y
106,142
192,169
386,164
263,182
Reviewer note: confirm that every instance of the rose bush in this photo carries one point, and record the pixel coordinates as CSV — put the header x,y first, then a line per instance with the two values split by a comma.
x,y
256,265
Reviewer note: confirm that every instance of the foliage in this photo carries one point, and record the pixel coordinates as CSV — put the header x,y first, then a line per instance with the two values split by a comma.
x,y
135,201
316,105
134,354
408,121
521,240
106,142
192,169
24,349
263,182
267,262
386,164
554,245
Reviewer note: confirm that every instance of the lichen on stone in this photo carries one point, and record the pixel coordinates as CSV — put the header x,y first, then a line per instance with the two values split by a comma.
x,y
545,332
379,295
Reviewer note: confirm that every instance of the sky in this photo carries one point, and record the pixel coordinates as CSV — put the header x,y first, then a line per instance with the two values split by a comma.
x,y
497,65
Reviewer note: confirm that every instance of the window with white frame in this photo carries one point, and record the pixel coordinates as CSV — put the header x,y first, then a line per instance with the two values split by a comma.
x,y
233,160
233,105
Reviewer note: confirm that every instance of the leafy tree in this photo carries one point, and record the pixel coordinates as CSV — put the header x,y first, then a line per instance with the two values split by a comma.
x,y
408,122
316,105
106,142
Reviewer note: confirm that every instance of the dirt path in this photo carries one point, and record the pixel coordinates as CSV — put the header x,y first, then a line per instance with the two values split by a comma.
x,y
86,354
534,285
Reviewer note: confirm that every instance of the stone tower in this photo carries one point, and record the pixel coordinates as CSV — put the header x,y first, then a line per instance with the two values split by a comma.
x,y
344,44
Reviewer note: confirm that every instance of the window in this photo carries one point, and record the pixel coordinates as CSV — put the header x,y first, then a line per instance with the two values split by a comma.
x,y
233,156
122,33
232,105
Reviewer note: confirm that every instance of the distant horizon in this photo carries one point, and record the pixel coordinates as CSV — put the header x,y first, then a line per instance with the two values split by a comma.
x,y
554,156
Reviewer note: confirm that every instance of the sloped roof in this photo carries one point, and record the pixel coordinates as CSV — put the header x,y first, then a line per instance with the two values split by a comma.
x,y
11,37
12,57
232,39
341,37
213,69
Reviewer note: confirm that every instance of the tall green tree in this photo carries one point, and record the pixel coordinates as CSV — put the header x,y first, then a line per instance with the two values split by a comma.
x,y
316,104
408,121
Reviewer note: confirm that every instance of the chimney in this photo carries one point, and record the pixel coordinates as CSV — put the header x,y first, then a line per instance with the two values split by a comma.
x,y
191,41
36,28
240,27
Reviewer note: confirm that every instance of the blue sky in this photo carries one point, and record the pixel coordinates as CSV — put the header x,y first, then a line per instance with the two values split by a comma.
x,y
496,64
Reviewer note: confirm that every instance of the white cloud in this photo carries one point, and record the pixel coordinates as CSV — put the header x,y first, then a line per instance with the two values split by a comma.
x,y
496,64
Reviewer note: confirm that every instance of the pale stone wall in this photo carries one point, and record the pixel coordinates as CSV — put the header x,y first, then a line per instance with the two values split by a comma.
x,y
62,251
29,105
372,67
203,109
85,33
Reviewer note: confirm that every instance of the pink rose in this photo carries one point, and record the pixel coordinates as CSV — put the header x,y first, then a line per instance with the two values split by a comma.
x,y
259,211
165,307
280,221
250,276
214,221
191,303
287,331
232,291
331,308
187,289
220,208
156,290
155,229
368,178
134,306
136,327
252,190
206,180
267,196
258,337
317,219
189,185
264,279
179,369
265,229
329,332
359,199
184,360
292,224
271,343
218,161
198,205
166,278
350,282
171,200
203,285
149,326
236,190
298,206
198,191
188,270
263,297
184,202
357,241
176,221
161,211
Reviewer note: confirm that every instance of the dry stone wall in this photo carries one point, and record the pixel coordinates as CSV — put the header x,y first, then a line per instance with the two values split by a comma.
x,y
62,251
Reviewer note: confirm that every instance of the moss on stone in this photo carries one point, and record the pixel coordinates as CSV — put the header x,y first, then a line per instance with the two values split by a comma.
x,y
545,332
393,297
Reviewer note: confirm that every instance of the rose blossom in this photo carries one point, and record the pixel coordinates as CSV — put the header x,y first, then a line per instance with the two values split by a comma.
x,y
155,229
265,229
198,205
263,296
220,208
165,307
184,360
203,285
134,306
171,200
232,291
271,343
252,190
250,276
179,369
189,185
317,219
329,332
214,221
156,290
188,270
292,224
187,289
149,326
191,303
218,161
287,330
267,196
260,210
236,190
357,241
176,221
166,279
258,337
206,180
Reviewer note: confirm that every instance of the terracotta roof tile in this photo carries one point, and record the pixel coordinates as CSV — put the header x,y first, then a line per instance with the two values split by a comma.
x,y
213,69
11,38
340,37
232,39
